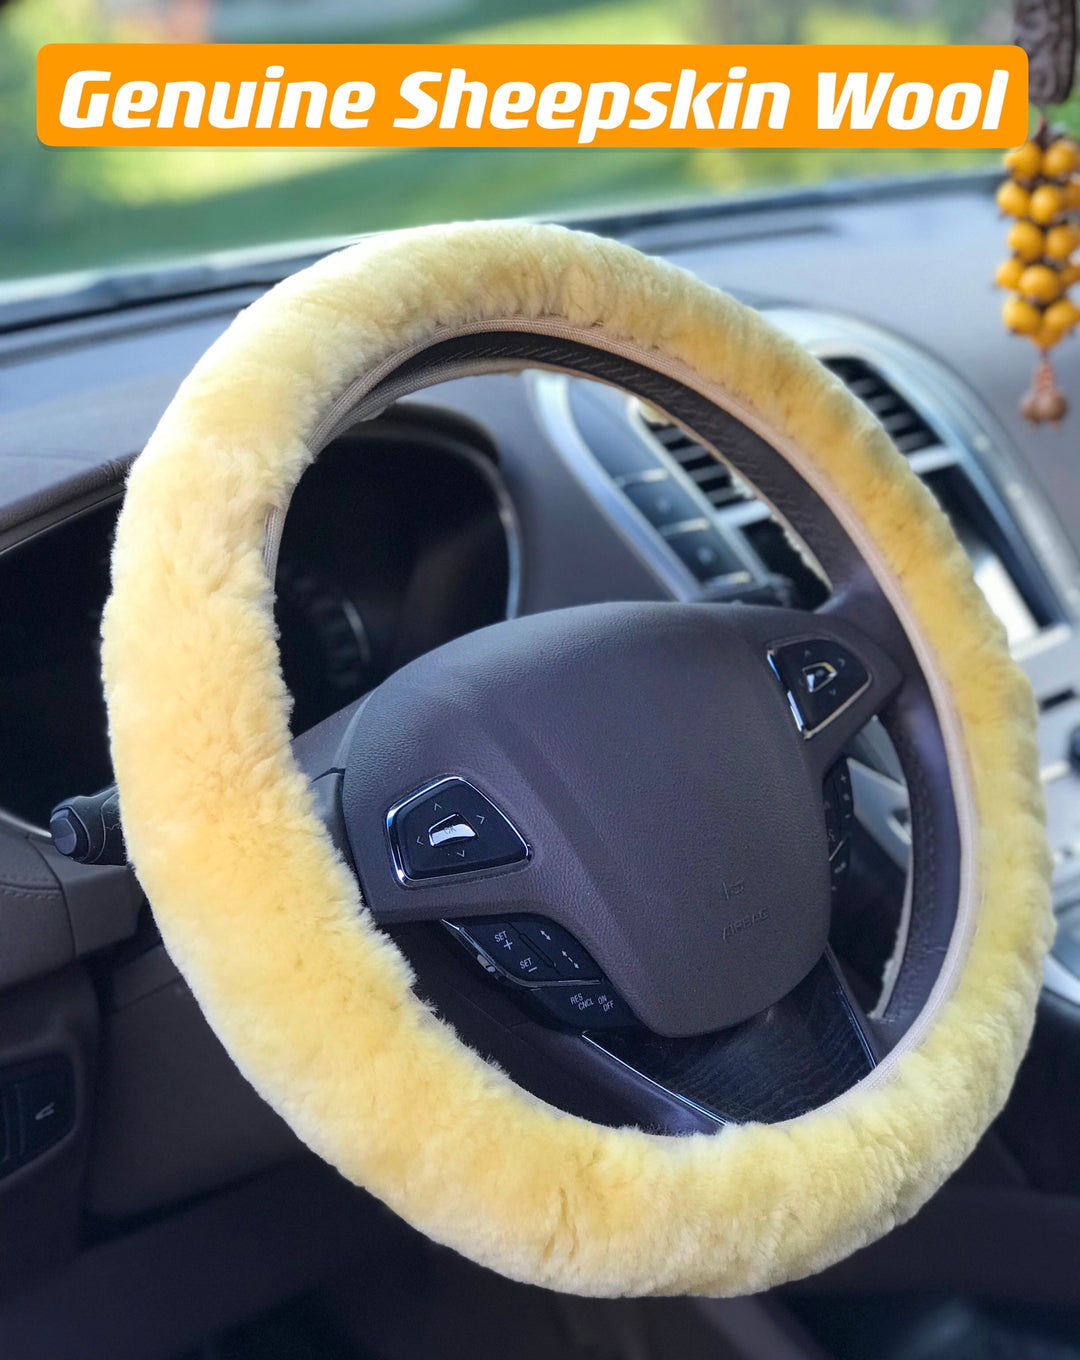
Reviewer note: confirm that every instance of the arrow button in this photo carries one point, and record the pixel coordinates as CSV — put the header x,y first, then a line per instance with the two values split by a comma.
x,y
451,827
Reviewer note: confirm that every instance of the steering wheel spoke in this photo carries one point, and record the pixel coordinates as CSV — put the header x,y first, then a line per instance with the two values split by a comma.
x,y
802,1051
834,678
799,1053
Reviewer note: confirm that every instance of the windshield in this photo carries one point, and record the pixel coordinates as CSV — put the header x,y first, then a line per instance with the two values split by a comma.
x,y
77,209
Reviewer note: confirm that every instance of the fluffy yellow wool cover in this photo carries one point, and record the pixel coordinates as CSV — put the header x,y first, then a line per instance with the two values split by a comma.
x,y
315,1004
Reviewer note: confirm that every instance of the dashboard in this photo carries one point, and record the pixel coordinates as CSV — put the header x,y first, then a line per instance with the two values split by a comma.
x,y
487,497
406,532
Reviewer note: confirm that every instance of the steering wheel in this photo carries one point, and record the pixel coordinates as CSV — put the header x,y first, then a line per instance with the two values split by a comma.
x,y
627,796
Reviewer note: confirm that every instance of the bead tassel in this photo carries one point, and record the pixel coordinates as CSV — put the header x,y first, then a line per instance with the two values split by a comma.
x,y
1043,193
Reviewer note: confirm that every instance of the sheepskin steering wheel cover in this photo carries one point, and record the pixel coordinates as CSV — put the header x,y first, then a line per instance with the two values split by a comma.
x,y
266,923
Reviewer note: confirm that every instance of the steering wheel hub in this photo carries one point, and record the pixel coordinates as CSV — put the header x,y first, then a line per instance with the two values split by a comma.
x,y
649,759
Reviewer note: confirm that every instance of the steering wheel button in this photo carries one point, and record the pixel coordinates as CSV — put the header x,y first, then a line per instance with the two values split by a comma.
x,y
839,804
593,1005
510,951
568,957
450,828
833,832
820,676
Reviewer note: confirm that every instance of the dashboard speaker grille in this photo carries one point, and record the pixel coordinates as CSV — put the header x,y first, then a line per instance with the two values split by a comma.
x,y
907,429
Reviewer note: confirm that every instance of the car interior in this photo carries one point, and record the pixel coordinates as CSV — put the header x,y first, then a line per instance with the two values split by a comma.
x,y
152,1203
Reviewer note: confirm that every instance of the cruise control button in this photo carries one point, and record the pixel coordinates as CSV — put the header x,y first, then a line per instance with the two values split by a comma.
x,y
511,951
451,828
833,830
568,957
593,1005
839,865
839,805
820,677
845,798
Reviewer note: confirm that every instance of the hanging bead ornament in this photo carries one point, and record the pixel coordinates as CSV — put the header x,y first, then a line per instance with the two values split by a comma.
x,y
1042,193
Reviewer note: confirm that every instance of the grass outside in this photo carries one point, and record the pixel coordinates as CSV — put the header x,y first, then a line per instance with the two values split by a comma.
x,y
413,188
65,209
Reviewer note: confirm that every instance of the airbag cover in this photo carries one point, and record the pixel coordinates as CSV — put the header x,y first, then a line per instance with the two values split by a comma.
x,y
649,759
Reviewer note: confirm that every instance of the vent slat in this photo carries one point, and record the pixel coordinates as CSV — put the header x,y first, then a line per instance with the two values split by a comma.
x,y
712,478
903,424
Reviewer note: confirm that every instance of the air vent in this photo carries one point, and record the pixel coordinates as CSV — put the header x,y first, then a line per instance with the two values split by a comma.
x,y
907,429
713,479
804,587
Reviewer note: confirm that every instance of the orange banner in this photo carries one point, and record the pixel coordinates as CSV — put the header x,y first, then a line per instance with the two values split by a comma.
x,y
274,95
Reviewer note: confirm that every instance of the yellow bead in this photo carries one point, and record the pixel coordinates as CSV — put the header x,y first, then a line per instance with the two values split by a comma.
x,y
1021,316
1009,272
1040,282
1024,161
1046,203
1071,192
1026,240
1060,241
1062,315
1014,200
1046,337
1070,275
1060,158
